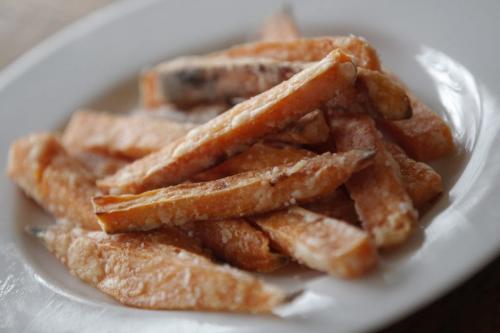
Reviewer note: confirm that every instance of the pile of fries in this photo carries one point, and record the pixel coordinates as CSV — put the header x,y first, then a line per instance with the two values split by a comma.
x,y
319,159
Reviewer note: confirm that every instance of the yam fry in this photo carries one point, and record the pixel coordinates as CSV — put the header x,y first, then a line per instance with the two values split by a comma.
x,y
261,156
42,168
258,156
189,81
199,114
238,243
240,195
337,205
244,124
101,165
280,26
150,93
103,140
381,200
320,242
312,129
193,80
421,182
387,96
307,50
157,270
235,241
425,136
122,136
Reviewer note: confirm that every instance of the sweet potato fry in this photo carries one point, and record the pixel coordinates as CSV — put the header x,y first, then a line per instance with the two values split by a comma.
x,y
238,243
261,156
258,156
425,136
312,129
380,197
122,136
103,140
157,270
56,181
421,182
100,165
388,97
337,205
194,80
307,50
151,97
236,196
199,114
235,241
244,124
189,81
280,26
320,242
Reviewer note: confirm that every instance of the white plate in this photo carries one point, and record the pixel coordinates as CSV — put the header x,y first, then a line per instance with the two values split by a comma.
x,y
446,52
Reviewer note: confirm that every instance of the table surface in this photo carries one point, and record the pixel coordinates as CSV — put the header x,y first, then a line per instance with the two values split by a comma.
x,y
472,307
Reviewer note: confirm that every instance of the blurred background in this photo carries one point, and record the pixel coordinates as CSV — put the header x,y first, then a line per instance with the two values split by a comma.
x,y
24,23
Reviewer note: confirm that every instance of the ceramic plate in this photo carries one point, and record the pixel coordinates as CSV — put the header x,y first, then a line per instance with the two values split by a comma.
x,y
445,51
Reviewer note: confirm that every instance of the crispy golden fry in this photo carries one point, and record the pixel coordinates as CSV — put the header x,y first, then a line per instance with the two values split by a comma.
x,y
280,26
244,124
307,50
236,196
421,182
238,243
425,136
320,242
59,183
381,200
337,205
122,136
189,81
157,270
258,156
387,95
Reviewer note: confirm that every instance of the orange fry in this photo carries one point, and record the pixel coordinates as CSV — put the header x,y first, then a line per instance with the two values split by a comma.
x,y
381,200
188,81
157,270
235,241
103,140
194,80
236,196
337,205
386,94
312,129
307,50
280,26
261,156
258,156
421,182
425,136
244,124
59,183
238,243
100,165
320,242
121,136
